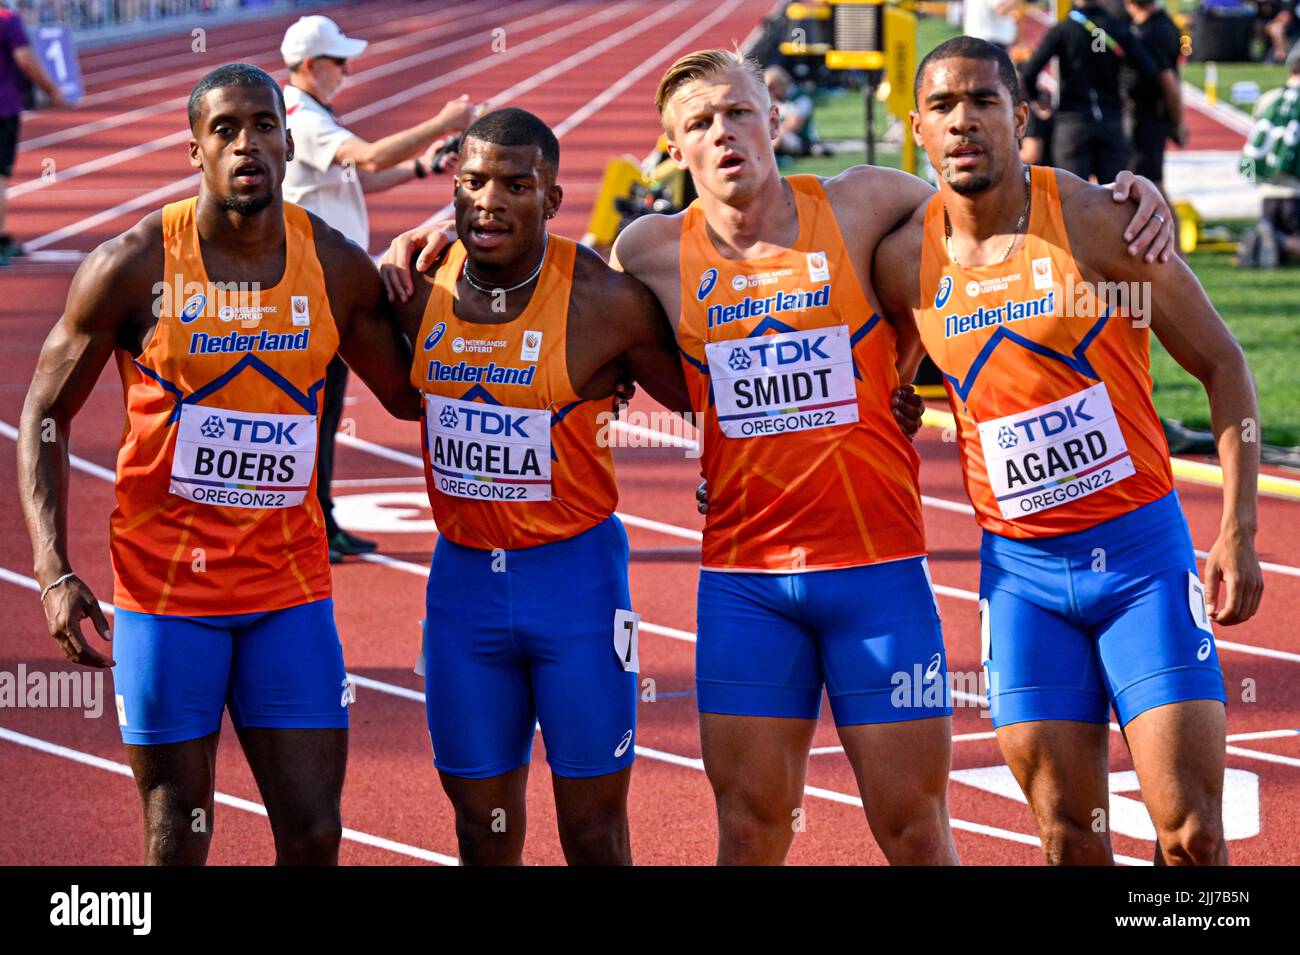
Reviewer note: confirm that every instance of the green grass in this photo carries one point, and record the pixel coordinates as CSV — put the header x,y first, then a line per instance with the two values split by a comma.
x,y
1258,307
1267,75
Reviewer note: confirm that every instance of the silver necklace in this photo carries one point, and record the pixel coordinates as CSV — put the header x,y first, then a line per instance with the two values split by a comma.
x,y
496,289
1020,227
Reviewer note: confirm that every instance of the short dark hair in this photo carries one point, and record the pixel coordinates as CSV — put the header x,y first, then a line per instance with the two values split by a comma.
x,y
971,48
231,74
512,126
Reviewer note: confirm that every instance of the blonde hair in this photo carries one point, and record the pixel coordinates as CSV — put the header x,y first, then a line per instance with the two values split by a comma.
x,y
703,65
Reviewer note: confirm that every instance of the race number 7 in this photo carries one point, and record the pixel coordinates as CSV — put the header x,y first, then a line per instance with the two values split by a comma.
x,y
627,628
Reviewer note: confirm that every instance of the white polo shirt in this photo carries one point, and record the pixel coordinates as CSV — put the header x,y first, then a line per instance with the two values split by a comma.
x,y
312,179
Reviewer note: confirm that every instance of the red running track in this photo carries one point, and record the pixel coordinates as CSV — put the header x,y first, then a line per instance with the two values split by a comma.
x,y
63,795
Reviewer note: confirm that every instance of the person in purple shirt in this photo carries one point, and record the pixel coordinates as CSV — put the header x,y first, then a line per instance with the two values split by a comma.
x,y
16,59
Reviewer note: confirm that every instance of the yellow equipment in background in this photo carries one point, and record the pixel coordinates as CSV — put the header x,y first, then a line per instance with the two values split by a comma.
x,y
621,175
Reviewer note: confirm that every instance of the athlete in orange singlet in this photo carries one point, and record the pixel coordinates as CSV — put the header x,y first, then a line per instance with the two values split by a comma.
x,y
814,570
520,339
1089,596
221,313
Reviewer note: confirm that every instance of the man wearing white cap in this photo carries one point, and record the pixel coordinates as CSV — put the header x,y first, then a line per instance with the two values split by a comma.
x,y
331,170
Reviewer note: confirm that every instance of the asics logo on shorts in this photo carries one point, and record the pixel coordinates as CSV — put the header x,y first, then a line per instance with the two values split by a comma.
x,y
1203,651
932,668
623,744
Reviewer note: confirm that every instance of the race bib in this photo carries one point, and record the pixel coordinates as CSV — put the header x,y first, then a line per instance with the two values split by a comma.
x,y
793,381
243,459
1055,453
489,452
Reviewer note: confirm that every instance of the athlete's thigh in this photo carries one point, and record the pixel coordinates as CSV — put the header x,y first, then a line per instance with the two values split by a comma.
x,y
171,678
1156,646
759,761
753,656
1179,752
299,773
882,653
1062,767
1040,664
478,691
571,600
287,671
899,766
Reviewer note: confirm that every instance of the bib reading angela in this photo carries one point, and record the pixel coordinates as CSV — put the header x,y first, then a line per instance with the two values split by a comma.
x,y
242,458
489,452
1054,453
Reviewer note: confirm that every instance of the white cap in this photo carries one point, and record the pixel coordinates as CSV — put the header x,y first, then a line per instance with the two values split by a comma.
x,y
317,36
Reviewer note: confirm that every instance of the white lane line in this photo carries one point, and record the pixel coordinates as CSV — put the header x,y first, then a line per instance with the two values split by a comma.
x,y
1264,734
222,799
478,66
109,160
1266,757
407,693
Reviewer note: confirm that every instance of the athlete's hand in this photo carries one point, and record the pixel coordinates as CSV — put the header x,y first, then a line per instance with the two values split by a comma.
x,y
908,409
395,265
624,392
450,162
1234,582
702,497
1151,231
65,607
456,114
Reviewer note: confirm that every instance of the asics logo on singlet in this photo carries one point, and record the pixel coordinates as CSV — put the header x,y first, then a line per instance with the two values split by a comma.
x,y
1203,651
1048,424
484,421
769,305
707,281
623,744
1009,311
194,306
945,291
435,335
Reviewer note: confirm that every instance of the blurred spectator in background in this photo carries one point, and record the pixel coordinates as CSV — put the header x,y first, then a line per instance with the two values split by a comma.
x,y
1152,116
795,109
1282,29
991,20
1272,159
331,169
1036,147
17,62
1088,135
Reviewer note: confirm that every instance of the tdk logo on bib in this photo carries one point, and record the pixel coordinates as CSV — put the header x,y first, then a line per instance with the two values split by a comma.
x,y
707,281
482,421
773,354
1047,424
194,306
249,431
435,335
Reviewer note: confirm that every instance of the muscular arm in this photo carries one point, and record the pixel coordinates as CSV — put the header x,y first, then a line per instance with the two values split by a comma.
x,y
637,336
1187,324
111,282
895,276
370,339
